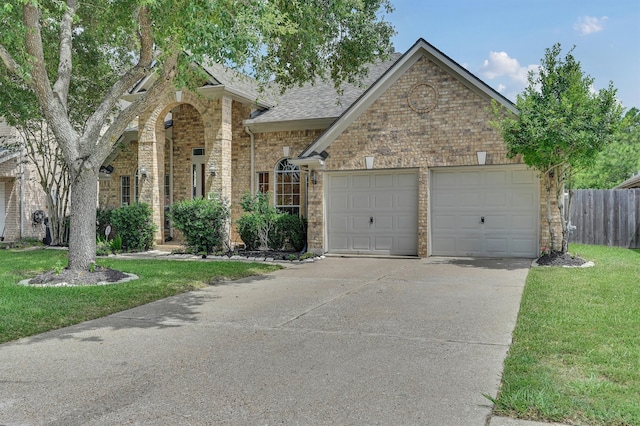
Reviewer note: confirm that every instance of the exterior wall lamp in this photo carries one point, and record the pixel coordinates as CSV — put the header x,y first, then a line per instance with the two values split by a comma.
x,y
143,172
212,169
314,177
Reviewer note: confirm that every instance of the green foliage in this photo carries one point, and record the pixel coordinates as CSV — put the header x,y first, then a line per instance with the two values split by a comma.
x,y
104,219
561,126
134,224
202,222
618,161
263,227
292,231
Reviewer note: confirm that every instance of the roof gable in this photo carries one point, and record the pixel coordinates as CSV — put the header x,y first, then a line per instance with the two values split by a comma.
x,y
400,67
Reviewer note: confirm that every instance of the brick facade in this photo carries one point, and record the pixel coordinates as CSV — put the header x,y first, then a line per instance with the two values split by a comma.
x,y
427,118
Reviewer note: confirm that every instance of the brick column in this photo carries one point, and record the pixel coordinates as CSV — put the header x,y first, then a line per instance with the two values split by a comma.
x,y
151,157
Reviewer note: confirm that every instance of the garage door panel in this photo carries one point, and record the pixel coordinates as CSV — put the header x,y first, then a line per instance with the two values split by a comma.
x,y
527,177
496,222
467,222
360,223
383,243
384,181
383,223
361,243
383,200
500,177
469,246
526,200
524,222
506,196
496,199
340,182
444,222
497,246
340,222
360,182
389,197
469,178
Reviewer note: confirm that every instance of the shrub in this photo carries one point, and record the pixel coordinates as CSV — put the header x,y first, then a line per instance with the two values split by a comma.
x,y
103,219
263,227
202,222
258,222
247,226
134,224
292,231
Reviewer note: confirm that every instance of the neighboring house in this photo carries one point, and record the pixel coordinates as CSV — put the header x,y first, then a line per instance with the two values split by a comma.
x,y
20,194
407,164
633,182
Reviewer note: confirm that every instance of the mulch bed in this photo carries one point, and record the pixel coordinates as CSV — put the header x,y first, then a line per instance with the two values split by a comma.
x,y
69,278
559,259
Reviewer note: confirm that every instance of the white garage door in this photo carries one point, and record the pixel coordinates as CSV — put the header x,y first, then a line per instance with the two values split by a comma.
x,y
372,212
485,211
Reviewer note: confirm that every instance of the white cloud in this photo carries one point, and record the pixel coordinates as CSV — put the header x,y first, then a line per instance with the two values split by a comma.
x,y
509,77
500,64
589,24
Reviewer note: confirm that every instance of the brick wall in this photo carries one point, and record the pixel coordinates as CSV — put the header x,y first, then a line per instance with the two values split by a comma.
x,y
399,135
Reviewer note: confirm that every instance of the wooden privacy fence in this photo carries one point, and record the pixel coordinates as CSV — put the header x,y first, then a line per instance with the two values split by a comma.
x,y
609,217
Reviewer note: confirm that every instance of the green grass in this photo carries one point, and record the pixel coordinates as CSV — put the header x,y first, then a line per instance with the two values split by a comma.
x,y
25,311
575,356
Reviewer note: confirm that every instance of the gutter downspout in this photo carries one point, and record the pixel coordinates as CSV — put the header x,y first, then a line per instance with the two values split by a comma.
x,y
170,181
252,155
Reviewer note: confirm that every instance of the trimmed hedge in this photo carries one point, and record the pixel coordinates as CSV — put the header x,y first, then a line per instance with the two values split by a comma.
x,y
203,224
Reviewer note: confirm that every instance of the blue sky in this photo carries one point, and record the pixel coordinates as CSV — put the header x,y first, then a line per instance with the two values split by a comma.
x,y
499,40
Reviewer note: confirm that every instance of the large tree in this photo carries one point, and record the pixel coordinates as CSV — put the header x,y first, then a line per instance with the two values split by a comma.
x,y
618,161
561,126
47,46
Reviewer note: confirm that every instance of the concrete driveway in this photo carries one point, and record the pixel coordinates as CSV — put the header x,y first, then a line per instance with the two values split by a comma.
x,y
342,341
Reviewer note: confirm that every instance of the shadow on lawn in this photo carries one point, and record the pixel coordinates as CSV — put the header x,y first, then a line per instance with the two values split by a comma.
x,y
171,312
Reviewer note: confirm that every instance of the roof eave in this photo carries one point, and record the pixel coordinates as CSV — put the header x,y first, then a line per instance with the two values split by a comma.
x,y
289,125
633,182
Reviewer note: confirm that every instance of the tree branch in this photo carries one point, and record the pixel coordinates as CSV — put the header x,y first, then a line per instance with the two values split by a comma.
x,y
140,70
61,86
9,62
53,110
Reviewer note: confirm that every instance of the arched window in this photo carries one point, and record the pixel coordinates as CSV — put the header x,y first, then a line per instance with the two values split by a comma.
x,y
287,187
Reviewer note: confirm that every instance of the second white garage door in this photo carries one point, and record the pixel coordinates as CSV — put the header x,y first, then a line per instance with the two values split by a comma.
x,y
372,212
485,211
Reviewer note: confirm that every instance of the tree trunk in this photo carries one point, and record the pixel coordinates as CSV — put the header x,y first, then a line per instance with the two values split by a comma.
x,y
82,238
552,232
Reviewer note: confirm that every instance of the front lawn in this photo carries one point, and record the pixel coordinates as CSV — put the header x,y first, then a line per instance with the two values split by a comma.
x,y
25,311
575,356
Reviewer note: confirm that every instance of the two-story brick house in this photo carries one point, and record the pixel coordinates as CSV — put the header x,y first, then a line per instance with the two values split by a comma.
x,y
407,164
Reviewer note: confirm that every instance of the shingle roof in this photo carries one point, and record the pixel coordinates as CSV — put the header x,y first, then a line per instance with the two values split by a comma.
x,y
238,83
320,99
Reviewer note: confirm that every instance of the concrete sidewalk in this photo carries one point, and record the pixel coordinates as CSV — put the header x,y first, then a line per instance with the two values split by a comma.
x,y
349,341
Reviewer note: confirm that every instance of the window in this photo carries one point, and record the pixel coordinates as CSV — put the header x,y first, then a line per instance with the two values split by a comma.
x,y
136,183
263,182
125,190
287,187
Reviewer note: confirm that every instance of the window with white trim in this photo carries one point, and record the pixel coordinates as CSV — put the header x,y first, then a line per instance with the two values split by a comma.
x,y
263,182
125,190
287,187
